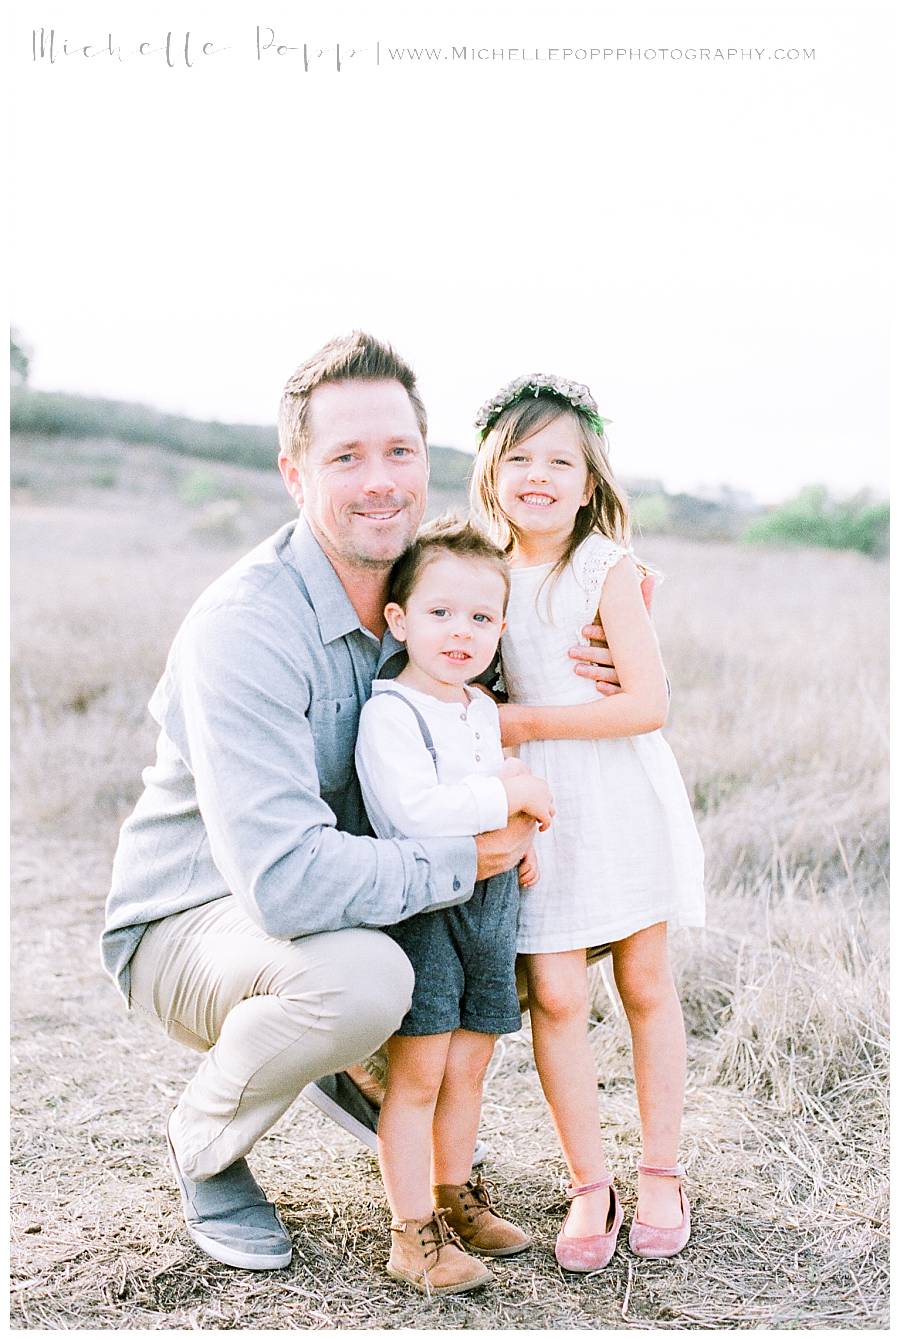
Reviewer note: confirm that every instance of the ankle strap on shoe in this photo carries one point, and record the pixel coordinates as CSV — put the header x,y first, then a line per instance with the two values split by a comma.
x,y
649,1171
572,1191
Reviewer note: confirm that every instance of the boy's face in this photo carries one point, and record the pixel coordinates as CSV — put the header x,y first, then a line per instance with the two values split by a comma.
x,y
453,619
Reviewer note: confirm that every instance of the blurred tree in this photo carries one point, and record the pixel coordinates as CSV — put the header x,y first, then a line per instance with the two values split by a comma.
x,y
19,359
815,518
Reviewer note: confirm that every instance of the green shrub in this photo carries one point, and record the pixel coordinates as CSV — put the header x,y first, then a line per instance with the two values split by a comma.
x,y
19,359
650,512
198,488
815,518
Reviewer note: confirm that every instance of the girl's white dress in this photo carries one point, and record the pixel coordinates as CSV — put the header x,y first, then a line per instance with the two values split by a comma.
x,y
623,850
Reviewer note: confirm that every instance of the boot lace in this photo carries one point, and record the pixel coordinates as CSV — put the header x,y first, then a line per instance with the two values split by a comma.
x,y
435,1235
477,1199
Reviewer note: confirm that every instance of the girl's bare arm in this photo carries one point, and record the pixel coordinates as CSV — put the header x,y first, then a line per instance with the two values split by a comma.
x,y
595,660
642,704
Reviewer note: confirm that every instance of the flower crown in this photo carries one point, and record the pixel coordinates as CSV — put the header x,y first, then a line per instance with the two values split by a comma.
x,y
575,394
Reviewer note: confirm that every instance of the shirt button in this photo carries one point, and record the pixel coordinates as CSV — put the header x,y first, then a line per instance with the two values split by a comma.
x,y
477,758
462,716
456,886
477,736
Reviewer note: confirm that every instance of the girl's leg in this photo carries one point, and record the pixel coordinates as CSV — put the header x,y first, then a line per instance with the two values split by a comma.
x,y
644,979
558,994
415,1073
459,1106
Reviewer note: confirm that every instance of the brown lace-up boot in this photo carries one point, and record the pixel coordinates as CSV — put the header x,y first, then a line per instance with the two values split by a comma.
x,y
471,1216
428,1255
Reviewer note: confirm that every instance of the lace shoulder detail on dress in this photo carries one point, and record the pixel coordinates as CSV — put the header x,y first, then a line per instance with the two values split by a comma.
x,y
593,561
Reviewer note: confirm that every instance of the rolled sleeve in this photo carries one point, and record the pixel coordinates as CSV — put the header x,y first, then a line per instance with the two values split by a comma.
x,y
491,803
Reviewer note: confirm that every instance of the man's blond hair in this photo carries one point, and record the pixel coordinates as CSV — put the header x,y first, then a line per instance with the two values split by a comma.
x,y
346,358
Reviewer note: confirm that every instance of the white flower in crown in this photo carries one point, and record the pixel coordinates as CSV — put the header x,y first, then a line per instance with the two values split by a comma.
x,y
575,393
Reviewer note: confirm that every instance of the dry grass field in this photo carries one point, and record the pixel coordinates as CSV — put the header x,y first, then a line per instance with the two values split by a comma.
x,y
778,662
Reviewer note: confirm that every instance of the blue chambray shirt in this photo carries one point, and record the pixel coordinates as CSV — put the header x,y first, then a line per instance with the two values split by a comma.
x,y
254,790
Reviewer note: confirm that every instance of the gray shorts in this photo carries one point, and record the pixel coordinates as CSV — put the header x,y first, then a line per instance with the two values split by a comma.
x,y
464,959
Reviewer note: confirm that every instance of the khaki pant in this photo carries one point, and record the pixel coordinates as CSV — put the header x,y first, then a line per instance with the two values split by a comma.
x,y
271,1015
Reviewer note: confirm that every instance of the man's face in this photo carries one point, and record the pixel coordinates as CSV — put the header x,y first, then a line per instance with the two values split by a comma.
x,y
363,480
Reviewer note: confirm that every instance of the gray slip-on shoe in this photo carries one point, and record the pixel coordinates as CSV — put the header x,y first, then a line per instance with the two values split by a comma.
x,y
337,1097
229,1218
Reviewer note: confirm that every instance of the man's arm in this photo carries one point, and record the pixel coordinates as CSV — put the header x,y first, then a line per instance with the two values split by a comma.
x,y
502,850
238,717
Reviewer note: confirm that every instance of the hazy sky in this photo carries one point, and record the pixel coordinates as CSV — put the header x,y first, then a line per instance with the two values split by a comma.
x,y
706,242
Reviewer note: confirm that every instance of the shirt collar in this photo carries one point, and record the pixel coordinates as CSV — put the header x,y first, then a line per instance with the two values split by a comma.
x,y
333,609
390,648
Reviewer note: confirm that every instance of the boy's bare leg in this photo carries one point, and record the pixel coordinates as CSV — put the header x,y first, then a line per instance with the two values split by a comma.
x,y
370,1075
405,1124
458,1108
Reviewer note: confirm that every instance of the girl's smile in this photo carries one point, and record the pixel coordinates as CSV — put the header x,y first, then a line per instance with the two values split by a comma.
x,y
541,483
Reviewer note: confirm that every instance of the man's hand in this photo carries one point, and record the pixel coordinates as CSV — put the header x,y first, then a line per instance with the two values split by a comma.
x,y
504,847
528,869
596,662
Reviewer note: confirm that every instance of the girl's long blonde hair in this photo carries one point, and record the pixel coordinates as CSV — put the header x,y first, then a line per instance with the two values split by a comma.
x,y
606,511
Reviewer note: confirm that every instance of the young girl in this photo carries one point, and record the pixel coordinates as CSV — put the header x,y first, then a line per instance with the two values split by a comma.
x,y
622,862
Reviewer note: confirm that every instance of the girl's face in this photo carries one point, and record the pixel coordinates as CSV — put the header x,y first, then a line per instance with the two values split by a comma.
x,y
543,480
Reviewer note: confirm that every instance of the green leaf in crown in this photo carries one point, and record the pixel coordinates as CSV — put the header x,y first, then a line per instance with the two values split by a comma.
x,y
575,394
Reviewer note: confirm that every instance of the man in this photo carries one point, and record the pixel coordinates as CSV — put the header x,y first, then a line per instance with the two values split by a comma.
x,y
246,887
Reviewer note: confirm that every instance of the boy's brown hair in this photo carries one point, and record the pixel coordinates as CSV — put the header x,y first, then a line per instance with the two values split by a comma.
x,y
353,357
448,534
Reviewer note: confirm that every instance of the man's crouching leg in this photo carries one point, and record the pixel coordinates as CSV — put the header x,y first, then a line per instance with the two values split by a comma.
x,y
353,1097
271,1016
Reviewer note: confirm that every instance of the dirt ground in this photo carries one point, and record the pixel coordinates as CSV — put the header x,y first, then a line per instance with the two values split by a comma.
x,y
785,994
99,1239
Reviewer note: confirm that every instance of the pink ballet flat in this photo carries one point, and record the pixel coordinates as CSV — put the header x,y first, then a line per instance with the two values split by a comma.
x,y
582,1255
653,1242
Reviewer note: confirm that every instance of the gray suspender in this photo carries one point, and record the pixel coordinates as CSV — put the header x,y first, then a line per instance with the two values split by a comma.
x,y
423,724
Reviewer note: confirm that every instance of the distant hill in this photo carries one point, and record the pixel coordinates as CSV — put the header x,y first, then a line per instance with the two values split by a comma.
x,y
811,519
58,414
